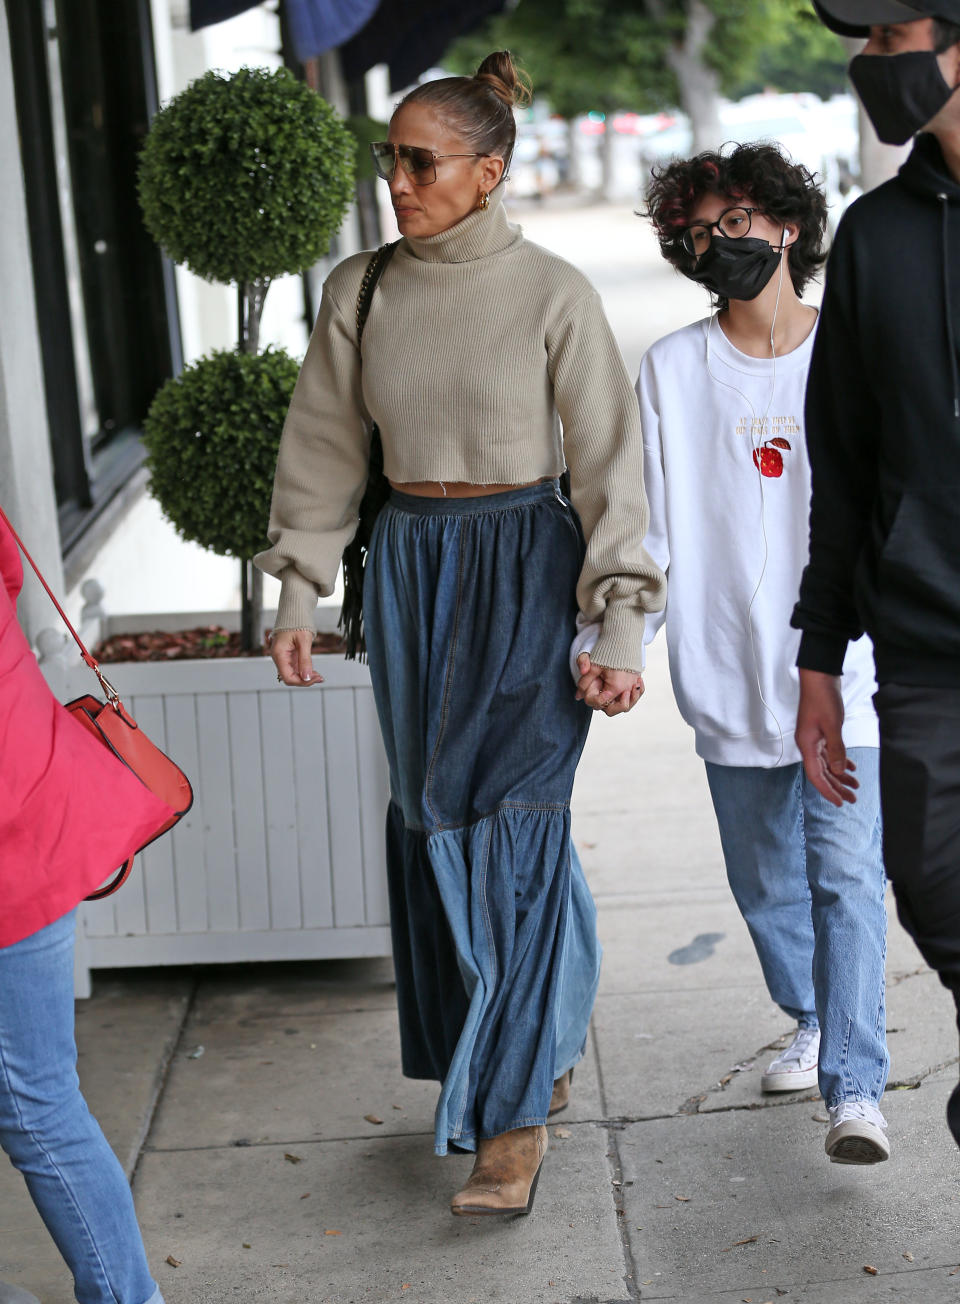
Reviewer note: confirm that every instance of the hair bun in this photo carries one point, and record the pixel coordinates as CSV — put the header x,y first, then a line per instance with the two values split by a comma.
x,y
508,82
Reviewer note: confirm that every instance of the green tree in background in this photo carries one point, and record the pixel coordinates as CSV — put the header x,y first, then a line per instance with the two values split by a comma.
x,y
582,56
800,55
646,55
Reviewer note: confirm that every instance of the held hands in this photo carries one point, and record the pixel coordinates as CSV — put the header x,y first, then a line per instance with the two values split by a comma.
x,y
290,649
819,737
611,691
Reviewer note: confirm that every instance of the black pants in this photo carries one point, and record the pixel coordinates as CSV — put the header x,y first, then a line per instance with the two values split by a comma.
x,y
920,799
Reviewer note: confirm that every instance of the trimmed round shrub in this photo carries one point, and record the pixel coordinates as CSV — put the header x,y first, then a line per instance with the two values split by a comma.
x,y
212,435
246,177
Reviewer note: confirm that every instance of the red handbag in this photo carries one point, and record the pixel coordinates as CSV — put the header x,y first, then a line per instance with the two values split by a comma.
x,y
112,724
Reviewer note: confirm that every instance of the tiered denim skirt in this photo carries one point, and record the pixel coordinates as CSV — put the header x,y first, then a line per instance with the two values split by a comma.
x,y
469,609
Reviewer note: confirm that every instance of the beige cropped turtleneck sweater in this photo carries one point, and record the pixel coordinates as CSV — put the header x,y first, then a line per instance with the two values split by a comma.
x,y
476,343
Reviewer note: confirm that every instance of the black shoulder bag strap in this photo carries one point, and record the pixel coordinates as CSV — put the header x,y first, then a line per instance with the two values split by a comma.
x,y
374,496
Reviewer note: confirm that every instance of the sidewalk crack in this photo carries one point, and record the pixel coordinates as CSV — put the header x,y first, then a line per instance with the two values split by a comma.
x,y
612,1128
895,979
160,1080
692,1103
616,1181
913,1082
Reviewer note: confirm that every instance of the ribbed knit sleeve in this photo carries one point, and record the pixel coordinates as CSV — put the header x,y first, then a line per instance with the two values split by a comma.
x,y
321,469
604,451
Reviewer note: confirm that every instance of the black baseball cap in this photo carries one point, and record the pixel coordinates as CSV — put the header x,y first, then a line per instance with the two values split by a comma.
x,y
856,17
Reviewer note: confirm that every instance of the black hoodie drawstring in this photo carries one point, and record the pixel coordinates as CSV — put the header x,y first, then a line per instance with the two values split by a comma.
x,y
951,342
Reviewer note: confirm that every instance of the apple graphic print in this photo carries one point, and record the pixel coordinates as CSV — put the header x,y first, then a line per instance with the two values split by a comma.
x,y
768,459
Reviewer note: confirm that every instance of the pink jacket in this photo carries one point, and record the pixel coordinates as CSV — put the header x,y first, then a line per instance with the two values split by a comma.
x,y
70,812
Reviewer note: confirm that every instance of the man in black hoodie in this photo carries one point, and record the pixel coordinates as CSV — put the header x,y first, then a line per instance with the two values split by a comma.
x,y
883,429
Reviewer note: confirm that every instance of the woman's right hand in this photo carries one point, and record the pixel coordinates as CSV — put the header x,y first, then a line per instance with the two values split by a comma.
x,y
614,692
291,652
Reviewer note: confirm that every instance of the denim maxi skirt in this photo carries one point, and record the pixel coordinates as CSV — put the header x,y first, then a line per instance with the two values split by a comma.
x,y
469,609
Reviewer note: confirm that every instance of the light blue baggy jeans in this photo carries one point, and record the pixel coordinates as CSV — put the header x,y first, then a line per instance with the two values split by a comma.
x,y
49,1133
808,878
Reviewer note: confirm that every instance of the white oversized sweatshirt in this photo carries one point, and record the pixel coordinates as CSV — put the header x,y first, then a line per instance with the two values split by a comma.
x,y
728,484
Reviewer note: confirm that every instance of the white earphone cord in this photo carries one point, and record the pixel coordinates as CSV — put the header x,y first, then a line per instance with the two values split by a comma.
x,y
756,441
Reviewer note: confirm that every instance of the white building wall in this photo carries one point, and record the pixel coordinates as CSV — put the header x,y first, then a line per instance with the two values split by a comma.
x,y
26,472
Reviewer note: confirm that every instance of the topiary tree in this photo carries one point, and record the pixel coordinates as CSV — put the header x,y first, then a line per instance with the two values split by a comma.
x,y
212,435
242,178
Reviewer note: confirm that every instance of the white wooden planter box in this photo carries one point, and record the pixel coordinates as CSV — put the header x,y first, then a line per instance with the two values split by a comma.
x,y
282,855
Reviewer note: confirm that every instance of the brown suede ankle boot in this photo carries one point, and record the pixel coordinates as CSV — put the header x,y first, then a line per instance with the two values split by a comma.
x,y
505,1174
561,1093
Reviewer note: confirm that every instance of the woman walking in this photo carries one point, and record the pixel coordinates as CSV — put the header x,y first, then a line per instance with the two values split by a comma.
x,y
477,342
70,813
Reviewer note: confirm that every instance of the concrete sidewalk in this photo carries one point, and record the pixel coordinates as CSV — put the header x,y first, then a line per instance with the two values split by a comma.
x,y
280,1156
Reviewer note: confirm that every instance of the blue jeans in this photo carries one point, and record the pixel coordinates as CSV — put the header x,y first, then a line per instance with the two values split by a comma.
x,y
469,606
73,1176
809,881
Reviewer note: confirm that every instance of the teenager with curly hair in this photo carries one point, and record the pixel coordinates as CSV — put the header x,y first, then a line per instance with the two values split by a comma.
x,y
728,482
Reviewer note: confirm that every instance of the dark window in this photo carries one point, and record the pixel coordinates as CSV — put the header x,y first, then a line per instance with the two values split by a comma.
x,y
106,302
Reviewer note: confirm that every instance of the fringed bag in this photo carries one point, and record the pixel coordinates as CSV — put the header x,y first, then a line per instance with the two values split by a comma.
x,y
374,496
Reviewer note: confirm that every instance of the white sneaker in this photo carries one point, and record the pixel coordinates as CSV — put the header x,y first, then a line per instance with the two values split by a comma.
x,y
856,1134
794,1069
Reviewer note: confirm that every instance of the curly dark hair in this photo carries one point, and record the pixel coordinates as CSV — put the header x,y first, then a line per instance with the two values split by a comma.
x,y
757,174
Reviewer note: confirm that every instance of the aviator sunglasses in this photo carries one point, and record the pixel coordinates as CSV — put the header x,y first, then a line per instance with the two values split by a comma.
x,y
419,164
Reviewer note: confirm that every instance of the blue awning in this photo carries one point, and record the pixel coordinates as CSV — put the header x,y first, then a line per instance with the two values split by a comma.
x,y
320,25
204,13
409,36
315,25
412,35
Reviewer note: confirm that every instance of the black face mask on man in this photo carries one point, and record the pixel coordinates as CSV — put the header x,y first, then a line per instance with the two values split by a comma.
x,y
900,92
735,269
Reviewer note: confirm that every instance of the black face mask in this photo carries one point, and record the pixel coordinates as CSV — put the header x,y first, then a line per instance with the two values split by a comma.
x,y
735,269
900,92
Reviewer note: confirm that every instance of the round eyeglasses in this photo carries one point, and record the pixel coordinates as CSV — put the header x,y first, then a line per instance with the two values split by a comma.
x,y
732,222
419,164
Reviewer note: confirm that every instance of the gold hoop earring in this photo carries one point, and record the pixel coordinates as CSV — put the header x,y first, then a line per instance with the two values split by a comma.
x,y
484,201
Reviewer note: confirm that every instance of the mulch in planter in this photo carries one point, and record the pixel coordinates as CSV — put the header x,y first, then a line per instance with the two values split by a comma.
x,y
205,641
